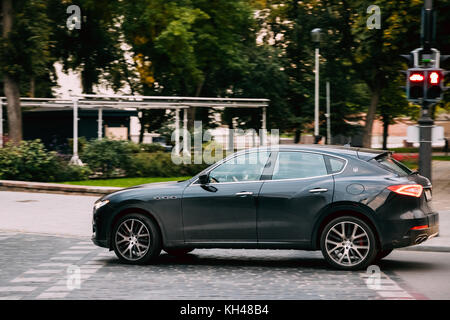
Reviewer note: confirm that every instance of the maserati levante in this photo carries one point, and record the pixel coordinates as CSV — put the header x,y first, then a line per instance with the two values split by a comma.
x,y
355,205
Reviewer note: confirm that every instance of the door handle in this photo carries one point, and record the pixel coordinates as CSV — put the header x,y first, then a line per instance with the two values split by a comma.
x,y
318,190
243,193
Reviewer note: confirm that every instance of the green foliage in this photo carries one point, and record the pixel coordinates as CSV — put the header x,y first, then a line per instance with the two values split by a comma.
x,y
160,165
30,161
152,147
109,158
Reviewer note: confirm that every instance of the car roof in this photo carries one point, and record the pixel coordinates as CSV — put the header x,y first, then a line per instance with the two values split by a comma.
x,y
360,153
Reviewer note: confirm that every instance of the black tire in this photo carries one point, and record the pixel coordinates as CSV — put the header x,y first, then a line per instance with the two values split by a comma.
x,y
383,254
358,253
152,241
179,252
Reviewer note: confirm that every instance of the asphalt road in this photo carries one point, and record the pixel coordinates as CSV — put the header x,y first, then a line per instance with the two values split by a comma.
x,y
46,254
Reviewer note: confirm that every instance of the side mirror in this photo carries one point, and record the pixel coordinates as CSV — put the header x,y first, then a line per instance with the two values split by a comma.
x,y
204,179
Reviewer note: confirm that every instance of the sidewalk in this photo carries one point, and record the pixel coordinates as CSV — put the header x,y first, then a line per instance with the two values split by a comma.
x,y
441,203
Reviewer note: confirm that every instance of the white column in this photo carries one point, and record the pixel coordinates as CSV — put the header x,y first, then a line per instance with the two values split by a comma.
x,y
263,135
316,95
1,123
177,131
100,124
75,159
185,132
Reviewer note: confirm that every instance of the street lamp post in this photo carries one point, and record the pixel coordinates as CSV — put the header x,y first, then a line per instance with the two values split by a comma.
x,y
315,35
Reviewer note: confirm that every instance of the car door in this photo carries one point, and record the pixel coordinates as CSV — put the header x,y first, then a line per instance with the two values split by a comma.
x,y
299,188
224,210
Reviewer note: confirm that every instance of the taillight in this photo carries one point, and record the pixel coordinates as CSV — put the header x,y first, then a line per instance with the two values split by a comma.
x,y
414,190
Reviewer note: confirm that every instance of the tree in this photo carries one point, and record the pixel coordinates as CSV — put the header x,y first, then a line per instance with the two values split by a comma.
x,y
188,48
94,49
392,105
24,54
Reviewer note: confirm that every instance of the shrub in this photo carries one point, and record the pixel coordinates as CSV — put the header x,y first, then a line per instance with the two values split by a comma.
x,y
160,164
30,161
109,158
152,147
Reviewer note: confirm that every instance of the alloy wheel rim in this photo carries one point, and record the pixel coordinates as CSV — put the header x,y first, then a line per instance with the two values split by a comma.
x,y
132,239
347,243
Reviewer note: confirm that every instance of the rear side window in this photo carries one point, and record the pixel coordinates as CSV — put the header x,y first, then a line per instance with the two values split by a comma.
x,y
393,165
294,165
336,164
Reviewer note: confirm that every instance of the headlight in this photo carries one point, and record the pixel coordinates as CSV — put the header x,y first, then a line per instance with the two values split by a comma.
x,y
100,204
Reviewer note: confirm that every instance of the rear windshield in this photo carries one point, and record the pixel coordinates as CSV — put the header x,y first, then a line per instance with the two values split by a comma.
x,y
393,165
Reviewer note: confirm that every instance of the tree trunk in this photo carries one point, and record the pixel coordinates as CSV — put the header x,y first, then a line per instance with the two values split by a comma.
x,y
32,87
367,137
11,88
11,85
297,137
191,110
385,130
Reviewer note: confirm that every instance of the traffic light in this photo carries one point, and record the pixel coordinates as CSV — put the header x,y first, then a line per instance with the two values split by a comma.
x,y
415,80
425,83
434,84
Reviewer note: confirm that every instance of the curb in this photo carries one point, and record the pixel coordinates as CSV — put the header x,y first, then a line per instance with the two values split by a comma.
x,y
26,186
427,248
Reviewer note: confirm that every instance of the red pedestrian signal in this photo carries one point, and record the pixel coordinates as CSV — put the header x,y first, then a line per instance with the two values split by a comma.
x,y
434,85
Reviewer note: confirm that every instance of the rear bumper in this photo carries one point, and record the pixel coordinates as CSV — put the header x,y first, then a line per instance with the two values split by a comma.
x,y
409,237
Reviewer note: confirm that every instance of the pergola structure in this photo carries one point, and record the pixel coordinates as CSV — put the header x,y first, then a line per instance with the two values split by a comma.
x,y
124,102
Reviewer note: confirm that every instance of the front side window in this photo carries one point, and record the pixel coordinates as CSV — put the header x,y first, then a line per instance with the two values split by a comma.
x,y
294,165
245,167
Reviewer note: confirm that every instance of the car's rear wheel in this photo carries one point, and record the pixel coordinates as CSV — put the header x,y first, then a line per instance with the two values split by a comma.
x,y
348,243
383,254
179,252
136,239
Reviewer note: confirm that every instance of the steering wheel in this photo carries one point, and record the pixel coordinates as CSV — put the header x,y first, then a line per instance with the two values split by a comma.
x,y
214,180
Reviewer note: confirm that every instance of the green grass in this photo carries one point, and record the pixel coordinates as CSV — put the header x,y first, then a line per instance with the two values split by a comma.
x,y
123,182
441,158
414,164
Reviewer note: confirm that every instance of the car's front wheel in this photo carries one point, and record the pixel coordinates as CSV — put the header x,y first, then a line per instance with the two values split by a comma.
x,y
136,239
348,243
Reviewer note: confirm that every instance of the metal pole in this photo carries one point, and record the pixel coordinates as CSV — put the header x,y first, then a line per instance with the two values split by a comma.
x,y
316,95
75,159
185,132
177,131
425,138
100,124
1,123
328,114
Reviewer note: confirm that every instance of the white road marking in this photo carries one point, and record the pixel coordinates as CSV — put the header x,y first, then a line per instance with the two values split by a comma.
x,y
54,264
52,295
17,289
58,288
385,287
11,298
67,258
394,294
74,252
31,279
44,271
